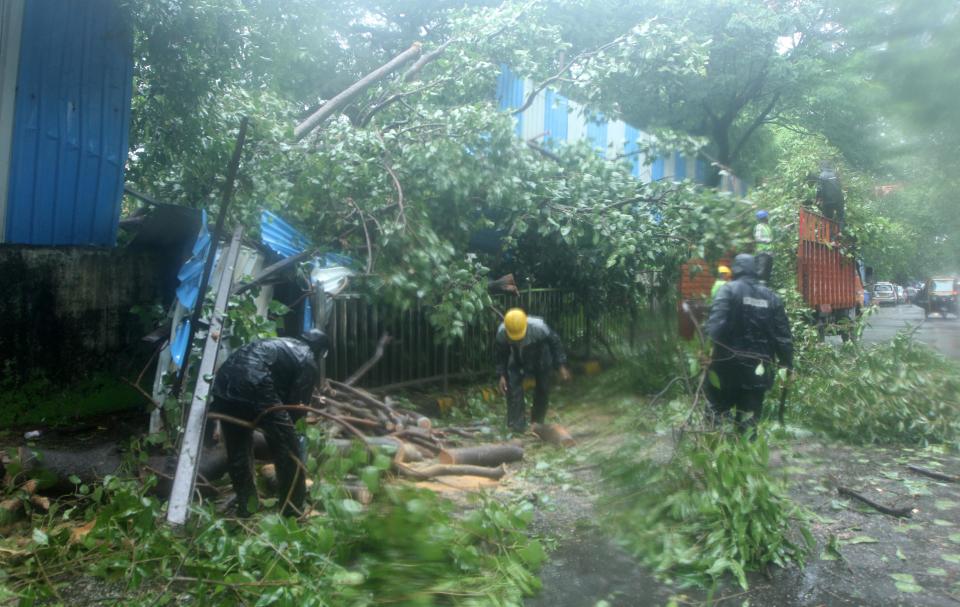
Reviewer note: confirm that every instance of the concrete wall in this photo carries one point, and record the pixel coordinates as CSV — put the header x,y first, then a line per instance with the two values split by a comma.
x,y
65,314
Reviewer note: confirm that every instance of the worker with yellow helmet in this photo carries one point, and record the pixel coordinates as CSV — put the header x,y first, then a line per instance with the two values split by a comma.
x,y
526,346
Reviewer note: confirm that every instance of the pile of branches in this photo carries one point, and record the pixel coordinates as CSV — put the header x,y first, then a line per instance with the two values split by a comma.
x,y
351,413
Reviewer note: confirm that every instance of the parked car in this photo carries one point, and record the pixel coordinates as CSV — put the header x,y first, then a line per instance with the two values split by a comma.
x,y
912,294
884,293
901,295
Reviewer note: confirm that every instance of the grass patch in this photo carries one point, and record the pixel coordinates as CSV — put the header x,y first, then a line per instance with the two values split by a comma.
x,y
41,401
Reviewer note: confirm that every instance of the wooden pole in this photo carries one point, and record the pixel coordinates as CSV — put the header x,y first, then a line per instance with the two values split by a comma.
x,y
189,459
351,91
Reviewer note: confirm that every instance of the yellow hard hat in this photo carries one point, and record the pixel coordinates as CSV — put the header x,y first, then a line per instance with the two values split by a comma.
x,y
724,271
515,322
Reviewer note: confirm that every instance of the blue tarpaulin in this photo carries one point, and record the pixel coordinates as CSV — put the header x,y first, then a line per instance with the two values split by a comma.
x,y
191,272
189,288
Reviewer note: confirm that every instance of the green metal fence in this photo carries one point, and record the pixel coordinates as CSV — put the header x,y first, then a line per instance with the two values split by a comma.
x,y
416,355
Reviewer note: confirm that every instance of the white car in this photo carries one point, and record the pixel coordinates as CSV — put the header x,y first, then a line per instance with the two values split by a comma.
x,y
885,293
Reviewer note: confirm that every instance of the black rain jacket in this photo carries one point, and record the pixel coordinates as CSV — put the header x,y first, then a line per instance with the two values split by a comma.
x,y
748,325
540,349
280,370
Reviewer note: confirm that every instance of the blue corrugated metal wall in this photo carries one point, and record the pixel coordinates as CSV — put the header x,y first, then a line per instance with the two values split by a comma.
x,y
597,134
680,166
71,123
555,117
510,95
700,171
657,169
630,148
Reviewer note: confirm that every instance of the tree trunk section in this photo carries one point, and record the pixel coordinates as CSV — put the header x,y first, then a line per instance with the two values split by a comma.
x,y
555,434
489,456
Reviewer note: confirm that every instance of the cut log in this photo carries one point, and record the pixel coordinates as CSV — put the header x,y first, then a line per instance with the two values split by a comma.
x,y
555,434
940,476
92,465
12,509
489,456
359,493
405,451
897,512
504,284
432,471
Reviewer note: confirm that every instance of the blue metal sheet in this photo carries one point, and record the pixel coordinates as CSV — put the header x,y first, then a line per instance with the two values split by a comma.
x,y
71,123
680,166
700,171
510,95
192,270
630,147
281,236
657,169
555,117
597,134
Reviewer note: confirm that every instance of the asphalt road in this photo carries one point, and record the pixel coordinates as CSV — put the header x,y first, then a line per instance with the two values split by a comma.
x,y
941,333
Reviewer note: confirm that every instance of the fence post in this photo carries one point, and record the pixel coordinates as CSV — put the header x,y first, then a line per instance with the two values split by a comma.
x,y
586,327
446,367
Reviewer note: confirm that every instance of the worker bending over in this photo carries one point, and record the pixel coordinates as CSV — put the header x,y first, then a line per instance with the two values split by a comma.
x,y
261,375
526,346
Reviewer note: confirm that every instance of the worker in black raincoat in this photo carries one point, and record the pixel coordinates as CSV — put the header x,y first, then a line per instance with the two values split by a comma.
x,y
258,376
751,336
526,346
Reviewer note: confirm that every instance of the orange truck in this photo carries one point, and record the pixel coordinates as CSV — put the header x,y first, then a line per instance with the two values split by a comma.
x,y
828,279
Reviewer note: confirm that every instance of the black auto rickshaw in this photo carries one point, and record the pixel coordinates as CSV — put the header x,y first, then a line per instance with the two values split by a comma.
x,y
940,295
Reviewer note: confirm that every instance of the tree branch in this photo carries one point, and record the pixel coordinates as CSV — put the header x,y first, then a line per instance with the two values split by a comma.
x,y
364,120
566,68
401,215
760,118
411,73
351,91
366,234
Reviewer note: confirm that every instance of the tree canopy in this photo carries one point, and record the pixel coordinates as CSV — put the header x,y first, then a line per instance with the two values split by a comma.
x,y
422,179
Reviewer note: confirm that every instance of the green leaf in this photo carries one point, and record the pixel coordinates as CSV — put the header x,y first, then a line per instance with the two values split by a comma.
x,y
905,582
714,379
533,554
39,537
861,539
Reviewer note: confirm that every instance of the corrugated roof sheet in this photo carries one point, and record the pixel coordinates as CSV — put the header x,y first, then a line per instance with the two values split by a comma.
x,y
71,124
281,236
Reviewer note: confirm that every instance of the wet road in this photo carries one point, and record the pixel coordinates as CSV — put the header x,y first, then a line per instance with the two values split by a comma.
x,y
587,568
941,333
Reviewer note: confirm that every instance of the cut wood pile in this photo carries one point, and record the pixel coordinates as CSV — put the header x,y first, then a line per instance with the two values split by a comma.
x,y
348,414
353,413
